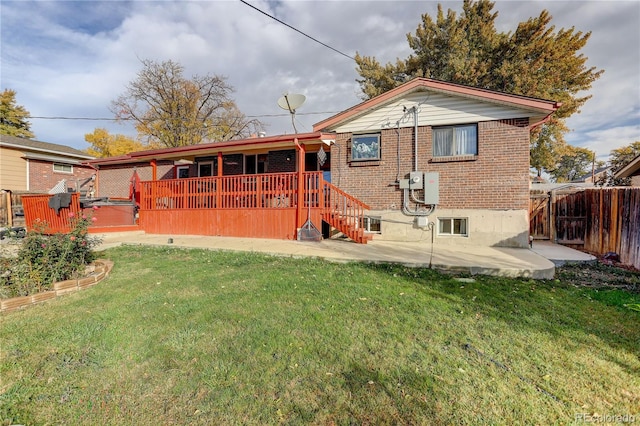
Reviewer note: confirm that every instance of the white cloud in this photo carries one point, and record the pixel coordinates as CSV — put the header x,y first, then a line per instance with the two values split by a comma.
x,y
72,59
605,140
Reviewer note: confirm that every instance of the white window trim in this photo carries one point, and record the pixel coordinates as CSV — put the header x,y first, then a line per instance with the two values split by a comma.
x,y
367,224
178,168
204,163
454,142
452,234
53,166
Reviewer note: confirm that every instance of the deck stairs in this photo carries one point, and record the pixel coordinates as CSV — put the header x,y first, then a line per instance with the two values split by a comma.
x,y
345,213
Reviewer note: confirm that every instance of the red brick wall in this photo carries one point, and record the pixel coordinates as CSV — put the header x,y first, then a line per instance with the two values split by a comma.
x,y
113,181
283,161
42,177
497,179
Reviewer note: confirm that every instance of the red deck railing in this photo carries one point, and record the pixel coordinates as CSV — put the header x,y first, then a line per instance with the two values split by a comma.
x,y
344,212
225,192
259,206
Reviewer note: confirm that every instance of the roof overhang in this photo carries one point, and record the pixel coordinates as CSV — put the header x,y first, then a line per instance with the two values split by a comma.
x,y
539,108
28,149
52,158
191,152
631,169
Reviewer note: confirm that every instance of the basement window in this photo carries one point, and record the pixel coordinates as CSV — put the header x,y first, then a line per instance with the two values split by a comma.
x,y
372,224
453,226
62,168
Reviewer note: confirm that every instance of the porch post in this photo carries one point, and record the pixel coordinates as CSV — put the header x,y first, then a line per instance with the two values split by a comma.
x,y
154,170
301,167
219,181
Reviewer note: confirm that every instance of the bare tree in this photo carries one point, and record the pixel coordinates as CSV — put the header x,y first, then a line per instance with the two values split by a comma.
x,y
172,111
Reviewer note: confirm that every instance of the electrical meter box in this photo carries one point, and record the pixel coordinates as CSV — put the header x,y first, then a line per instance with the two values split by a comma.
x,y
432,188
415,180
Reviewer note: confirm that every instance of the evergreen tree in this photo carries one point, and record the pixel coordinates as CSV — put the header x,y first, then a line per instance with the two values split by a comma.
x,y
535,60
13,117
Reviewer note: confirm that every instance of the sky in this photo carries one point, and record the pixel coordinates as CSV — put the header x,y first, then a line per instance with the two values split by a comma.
x,y
69,60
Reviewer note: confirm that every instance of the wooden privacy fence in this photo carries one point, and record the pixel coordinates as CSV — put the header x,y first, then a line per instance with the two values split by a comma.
x,y
11,211
596,220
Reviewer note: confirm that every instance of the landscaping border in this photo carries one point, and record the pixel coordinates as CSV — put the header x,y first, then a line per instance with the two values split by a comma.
x,y
98,271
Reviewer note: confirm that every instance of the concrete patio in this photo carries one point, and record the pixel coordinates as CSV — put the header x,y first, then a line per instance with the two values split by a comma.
x,y
537,263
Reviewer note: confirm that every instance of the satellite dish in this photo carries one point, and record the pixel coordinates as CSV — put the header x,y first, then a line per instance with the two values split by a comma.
x,y
291,102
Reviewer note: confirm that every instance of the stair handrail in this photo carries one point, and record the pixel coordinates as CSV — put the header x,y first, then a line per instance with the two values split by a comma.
x,y
344,211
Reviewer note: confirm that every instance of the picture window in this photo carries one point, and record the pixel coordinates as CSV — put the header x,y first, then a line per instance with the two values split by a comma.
x,y
365,147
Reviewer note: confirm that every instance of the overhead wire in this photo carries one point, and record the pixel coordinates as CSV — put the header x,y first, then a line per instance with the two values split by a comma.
x,y
248,116
131,119
297,30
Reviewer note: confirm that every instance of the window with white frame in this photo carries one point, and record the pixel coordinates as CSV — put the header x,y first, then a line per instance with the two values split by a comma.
x,y
453,226
451,141
372,224
182,172
365,147
62,168
205,169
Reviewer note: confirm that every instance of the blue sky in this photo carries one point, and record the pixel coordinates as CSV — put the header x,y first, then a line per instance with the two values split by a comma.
x,y
71,59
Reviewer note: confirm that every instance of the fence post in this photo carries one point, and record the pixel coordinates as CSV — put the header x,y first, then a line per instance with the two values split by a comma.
x,y
9,209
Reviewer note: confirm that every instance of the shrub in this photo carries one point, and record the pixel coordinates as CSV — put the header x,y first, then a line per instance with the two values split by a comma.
x,y
45,259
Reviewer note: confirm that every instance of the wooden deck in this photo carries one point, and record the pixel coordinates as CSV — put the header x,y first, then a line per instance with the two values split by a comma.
x,y
258,206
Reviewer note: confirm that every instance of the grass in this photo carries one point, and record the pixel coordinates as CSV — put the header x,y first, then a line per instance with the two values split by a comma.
x,y
193,336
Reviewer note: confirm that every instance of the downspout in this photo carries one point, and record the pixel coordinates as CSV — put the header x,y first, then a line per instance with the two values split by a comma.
x,y
539,123
556,106
154,170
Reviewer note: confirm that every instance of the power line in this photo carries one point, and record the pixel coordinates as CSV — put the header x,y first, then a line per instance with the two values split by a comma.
x,y
297,30
131,119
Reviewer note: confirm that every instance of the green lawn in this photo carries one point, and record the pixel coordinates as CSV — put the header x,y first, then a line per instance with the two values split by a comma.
x,y
200,337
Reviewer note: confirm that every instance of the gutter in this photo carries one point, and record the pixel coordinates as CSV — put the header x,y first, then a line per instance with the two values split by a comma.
x,y
556,106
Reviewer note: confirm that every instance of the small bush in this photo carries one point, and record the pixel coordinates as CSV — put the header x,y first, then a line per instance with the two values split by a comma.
x,y
45,259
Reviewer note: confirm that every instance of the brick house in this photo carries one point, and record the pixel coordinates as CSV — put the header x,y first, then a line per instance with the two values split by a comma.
x,y
28,165
475,142
430,159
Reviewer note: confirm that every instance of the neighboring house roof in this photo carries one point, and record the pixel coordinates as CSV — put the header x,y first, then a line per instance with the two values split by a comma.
x,y
596,173
537,109
209,149
44,150
554,186
631,169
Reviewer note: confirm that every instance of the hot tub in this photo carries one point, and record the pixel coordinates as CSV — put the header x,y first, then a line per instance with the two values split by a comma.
x,y
109,212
